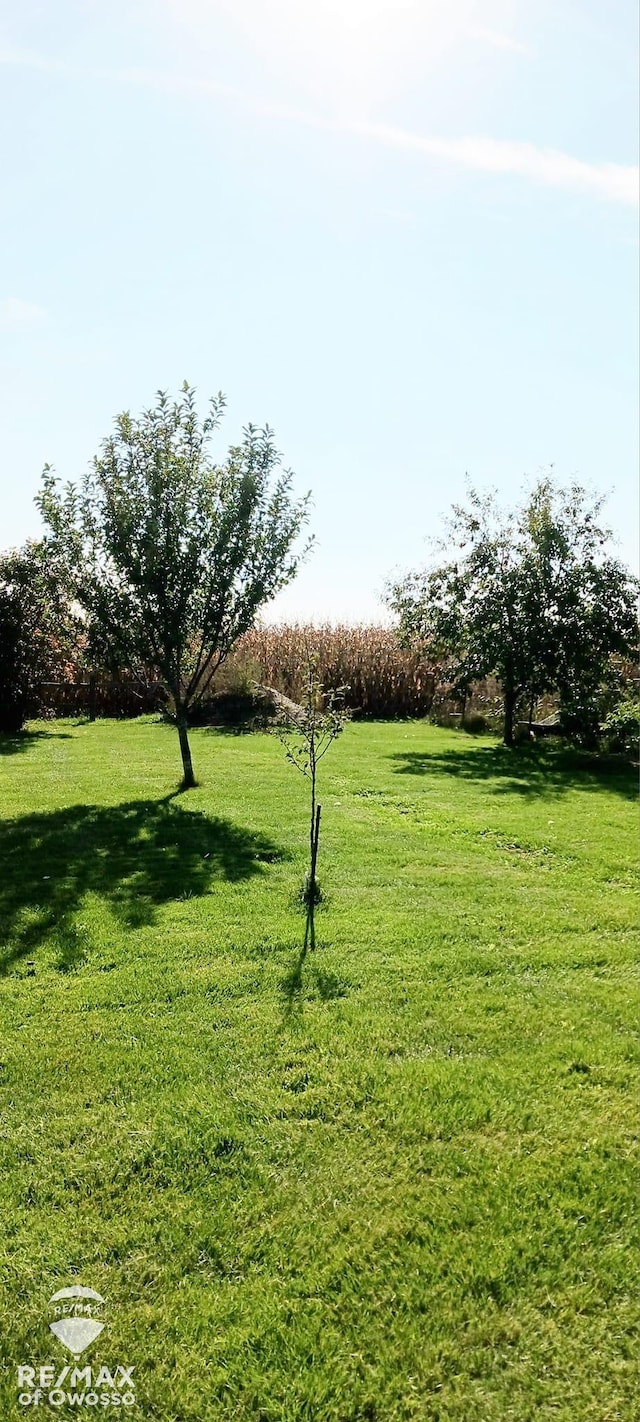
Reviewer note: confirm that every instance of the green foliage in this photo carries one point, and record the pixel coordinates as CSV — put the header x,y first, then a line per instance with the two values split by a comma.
x,y
396,1182
475,723
40,635
621,726
530,595
172,555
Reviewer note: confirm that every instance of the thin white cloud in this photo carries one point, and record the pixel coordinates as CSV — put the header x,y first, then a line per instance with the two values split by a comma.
x,y
28,59
615,182
395,214
18,315
191,87
610,182
498,39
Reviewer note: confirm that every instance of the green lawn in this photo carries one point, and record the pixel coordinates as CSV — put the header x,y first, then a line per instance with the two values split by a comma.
x,y
393,1180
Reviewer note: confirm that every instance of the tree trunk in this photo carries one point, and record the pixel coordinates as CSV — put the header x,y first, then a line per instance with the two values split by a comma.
x,y
188,777
314,853
509,713
310,929
312,824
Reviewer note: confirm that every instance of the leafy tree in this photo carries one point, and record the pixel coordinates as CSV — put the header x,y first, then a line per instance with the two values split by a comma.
x,y
530,595
40,635
307,735
172,555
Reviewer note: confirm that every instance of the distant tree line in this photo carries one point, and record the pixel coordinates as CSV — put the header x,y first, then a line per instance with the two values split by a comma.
x,y
158,564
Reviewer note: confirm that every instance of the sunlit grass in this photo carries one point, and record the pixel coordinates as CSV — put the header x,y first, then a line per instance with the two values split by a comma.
x,y
393,1179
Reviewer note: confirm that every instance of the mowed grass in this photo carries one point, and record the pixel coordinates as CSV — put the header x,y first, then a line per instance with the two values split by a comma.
x,y
392,1180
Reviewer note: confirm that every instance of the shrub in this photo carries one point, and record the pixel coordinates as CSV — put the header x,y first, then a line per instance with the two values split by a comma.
x,y
14,691
475,724
621,727
39,633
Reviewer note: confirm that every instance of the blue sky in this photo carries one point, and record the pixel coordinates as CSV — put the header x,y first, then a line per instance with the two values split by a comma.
x,y
402,232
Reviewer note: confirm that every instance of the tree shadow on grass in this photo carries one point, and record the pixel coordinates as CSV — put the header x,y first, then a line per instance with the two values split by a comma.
x,y
135,856
292,984
22,741
529,771
304,982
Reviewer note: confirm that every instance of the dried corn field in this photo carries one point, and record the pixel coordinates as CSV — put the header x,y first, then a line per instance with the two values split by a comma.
x,y
381,678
